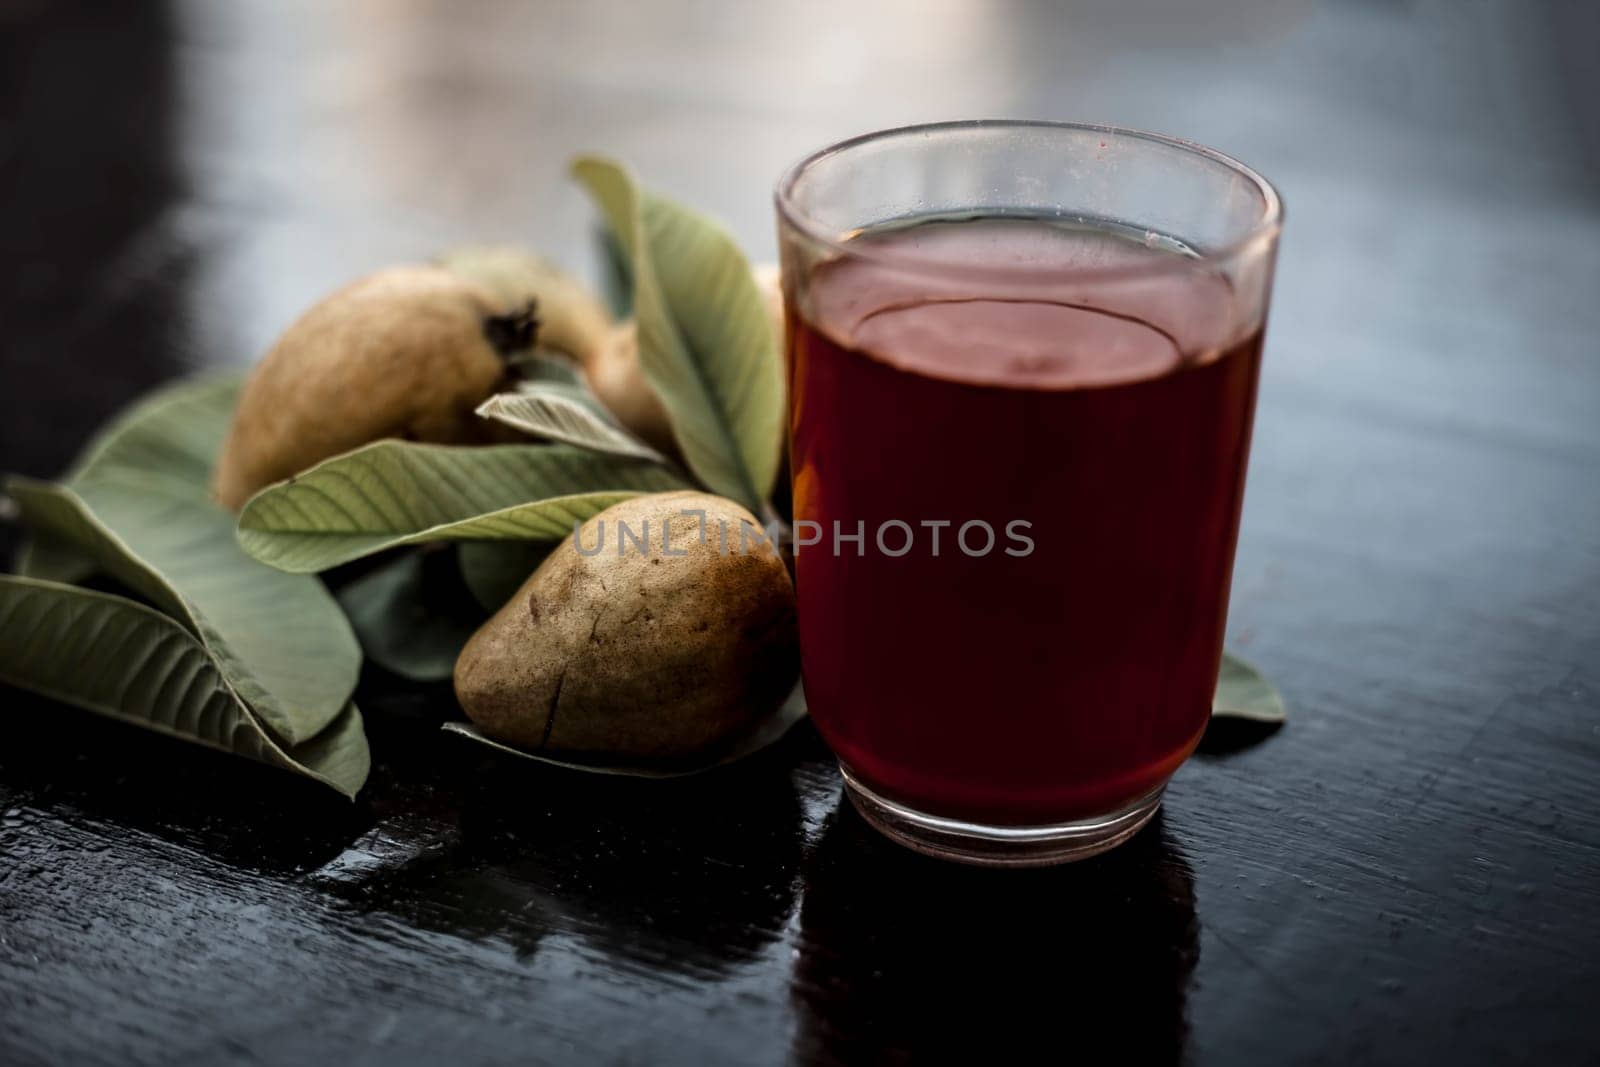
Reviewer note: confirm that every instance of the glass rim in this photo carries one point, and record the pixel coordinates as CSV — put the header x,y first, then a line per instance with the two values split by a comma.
x,y
1261,232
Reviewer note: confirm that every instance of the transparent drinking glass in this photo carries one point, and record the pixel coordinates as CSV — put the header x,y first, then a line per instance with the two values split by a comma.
x,y
1022,360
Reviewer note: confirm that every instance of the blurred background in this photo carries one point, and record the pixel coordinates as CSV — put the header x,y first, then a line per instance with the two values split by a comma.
x,y
268,151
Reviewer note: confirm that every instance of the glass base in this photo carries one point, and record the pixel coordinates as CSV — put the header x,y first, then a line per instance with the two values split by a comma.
x,y
999,846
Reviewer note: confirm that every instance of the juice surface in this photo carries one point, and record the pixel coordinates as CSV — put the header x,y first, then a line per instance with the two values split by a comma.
x,y
1071,674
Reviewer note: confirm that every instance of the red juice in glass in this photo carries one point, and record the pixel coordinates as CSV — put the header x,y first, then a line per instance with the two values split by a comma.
x,y
1018,442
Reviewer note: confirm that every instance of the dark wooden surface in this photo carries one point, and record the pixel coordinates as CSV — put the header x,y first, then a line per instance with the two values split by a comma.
x,y
1409,872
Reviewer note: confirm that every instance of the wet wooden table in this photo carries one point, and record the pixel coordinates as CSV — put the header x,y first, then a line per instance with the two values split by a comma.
x,y
1409,872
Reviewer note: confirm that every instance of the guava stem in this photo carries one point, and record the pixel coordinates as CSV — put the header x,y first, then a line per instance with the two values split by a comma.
x,y
514,331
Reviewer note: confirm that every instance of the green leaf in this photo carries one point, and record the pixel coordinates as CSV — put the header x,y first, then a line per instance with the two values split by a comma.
x,y
138,508
1244,693
171,437
395,493
543,367
547,378
705,343
767,732
616,276
53,560
406,624
494,570
554,413
280,641
117,657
